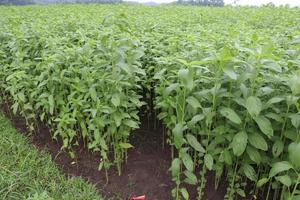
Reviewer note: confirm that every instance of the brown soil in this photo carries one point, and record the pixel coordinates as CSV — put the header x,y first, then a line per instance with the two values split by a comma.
x,y
145,173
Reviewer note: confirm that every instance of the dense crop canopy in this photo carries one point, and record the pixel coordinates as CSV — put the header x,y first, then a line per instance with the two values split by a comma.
x,y
224,81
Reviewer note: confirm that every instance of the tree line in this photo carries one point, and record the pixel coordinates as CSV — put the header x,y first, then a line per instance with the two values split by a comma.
x,y
202,2
188,2
28,2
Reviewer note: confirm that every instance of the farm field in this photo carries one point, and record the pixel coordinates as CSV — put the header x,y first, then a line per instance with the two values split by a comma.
x,y
174,102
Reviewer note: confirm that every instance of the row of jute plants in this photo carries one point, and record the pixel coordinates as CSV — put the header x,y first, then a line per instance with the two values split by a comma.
x,y
79,79
224,82
235,111
229,98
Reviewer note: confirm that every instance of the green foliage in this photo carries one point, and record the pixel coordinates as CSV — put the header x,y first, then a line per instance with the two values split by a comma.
x,y
224,82
80,79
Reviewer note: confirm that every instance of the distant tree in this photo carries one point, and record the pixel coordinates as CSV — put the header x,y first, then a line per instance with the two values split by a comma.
x,y
16,2
202,2
270,4
78,1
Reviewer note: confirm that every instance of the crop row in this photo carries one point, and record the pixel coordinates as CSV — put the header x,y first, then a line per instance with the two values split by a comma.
x,y
225,82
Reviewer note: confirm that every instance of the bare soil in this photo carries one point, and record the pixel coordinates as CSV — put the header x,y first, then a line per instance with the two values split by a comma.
x,y
145,173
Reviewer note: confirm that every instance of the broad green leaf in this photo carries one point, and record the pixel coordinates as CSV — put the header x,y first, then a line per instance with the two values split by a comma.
x,y
262,181
239,143
188,161
277,148
285,180
253,154
294,154
124,145
93,93
186,77
264,125
184,62
275,100
15,108
249,172
116,100
227,157
191,178
294,83
230,73
168,90
208,161
240,192
295,118
192,140
253,105
175,167
130,123
231,115
185,194
193,102
275,117
196,119
160,74
279,167
117,118
258,141
178,135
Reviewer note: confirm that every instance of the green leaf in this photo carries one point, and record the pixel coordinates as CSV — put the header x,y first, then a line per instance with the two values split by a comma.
x,y
275,100
115,100
130,123
279,167
196,119
93,93
230,73
231,115
262,181
227,157
188,161
192,140
240,192
294,83
191,178
193,102
170,89
275,117
208,161
249,172
186,77
253,154
175,167
295,118
125,145
264,125
117,118
239,143
257,141
253,105
15,107
277,148
294,154
178,135
160,74
184,194
285,180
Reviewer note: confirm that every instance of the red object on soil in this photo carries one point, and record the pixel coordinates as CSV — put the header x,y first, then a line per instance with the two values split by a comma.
x,y
138,198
